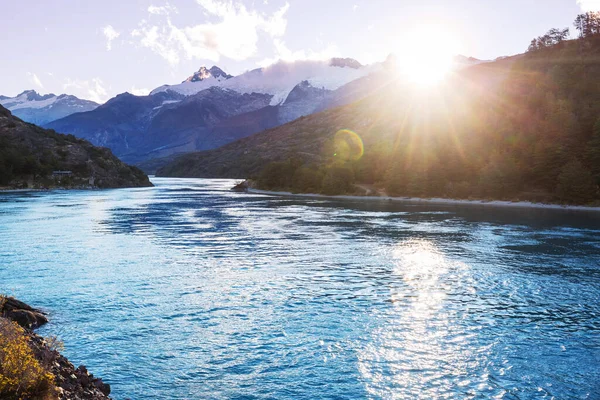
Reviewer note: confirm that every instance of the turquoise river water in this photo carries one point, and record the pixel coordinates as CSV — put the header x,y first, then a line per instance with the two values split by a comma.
x,y
190,291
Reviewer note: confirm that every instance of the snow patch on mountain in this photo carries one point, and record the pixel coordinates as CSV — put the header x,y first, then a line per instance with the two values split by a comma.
x,y
279,79
40,109
28,99
166,102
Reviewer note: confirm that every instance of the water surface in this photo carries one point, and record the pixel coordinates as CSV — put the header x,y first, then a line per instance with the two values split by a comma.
x,y
187,291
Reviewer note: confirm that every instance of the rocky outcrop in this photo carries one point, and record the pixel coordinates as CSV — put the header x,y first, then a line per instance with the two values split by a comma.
x,y
71,383
205,73
24,315
241,187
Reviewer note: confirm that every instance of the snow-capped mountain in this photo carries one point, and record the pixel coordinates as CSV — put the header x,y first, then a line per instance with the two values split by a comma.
x,y
204,74
277,80
39,109
212,108
203,79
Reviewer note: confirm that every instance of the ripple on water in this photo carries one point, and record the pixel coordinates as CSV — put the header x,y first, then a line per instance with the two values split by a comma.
x,y
187,290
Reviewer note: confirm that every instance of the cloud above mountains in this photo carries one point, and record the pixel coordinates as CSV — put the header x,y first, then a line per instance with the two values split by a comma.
x,y
110,34
35,80
234,33
589,5
163,10
92,89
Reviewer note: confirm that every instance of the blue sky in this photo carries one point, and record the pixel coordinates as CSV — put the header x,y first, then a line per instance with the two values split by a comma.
x,y
97,49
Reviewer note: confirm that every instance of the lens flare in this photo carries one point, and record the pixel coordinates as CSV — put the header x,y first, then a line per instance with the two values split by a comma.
x,y
348,145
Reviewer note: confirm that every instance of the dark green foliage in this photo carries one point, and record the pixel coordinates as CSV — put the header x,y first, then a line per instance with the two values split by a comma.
x,y
588,24
551,38
338,179
278,175
30,154
308,180
500,176
593,152
576,184
293,175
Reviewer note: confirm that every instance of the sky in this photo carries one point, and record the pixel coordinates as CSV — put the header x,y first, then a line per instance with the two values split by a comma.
x,y
96,49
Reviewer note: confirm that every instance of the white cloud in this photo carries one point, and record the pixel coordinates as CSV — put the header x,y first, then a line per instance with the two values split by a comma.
x,y
111,34
139,91
284,54
92,89
355,7
160,41
234,35
589,5
162,10
34,80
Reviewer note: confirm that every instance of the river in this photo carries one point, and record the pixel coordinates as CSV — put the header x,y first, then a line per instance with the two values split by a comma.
x,y
190,291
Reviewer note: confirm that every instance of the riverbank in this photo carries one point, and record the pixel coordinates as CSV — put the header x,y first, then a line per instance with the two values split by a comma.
x,y
11,190
43,363
431,201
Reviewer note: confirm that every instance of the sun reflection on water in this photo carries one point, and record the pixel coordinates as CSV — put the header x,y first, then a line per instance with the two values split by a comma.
x,y
422,351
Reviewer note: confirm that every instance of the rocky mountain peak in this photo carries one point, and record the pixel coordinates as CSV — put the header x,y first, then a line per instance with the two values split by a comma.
x,y
32,95
218,72
205,73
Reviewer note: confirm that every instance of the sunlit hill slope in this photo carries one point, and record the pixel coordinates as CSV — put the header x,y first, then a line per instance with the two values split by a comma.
x,y
525,127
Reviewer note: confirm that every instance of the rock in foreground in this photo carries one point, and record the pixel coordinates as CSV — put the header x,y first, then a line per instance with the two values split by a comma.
x,y
70,383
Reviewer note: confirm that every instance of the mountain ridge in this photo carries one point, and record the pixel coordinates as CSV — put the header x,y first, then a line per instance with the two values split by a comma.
x,y
138,128
39,109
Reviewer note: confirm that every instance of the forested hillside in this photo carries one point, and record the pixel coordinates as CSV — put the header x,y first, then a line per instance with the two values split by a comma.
x,y
32,157
522,128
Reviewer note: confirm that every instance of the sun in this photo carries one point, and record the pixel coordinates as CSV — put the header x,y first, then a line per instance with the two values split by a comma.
x,y
426,56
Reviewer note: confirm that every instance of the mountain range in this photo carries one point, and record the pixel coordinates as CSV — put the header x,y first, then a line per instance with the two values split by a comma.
x,y
39,109
212,108
208,109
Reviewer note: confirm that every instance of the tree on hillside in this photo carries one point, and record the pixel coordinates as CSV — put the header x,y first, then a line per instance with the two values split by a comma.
x,y
588,24
551,38
576,184
594,152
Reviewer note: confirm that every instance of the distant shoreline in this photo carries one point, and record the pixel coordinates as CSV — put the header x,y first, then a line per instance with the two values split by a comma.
x,y
2,190
433,201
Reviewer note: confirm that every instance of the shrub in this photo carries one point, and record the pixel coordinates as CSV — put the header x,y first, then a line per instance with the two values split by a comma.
x,y
21,375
